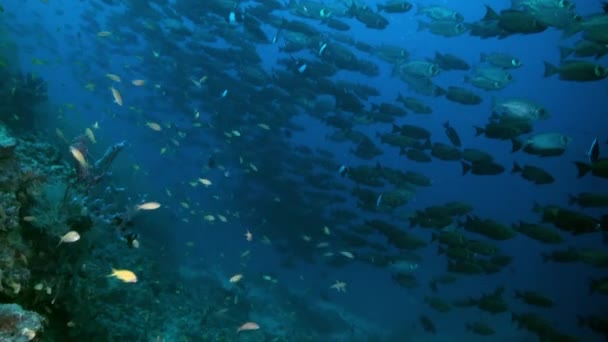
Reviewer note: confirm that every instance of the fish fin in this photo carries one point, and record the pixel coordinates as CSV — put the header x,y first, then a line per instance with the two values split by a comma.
x,y
490,14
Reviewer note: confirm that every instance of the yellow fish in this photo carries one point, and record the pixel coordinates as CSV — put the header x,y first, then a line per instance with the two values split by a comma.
x,y
79,157
125,276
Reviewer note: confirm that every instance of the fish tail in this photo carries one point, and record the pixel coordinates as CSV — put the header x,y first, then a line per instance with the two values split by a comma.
x,y
516,168
550,69
582,168
516,145
465,168
564,52
572,199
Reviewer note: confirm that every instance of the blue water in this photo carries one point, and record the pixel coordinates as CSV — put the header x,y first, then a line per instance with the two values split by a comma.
x,y
177,238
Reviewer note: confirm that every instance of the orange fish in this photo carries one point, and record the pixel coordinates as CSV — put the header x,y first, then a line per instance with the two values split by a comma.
x,y
248,326
116,95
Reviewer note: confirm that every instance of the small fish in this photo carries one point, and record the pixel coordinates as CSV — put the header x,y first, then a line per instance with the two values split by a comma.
x,y
79,157
154,126
148,206
264,126
247,327
125,276
205,181
89,133
248,235
29,218
594,151
103,34
114,77
117,96
71,236
379,200
60,134
138,83
236,278
343,170
347,254
322,48
339,286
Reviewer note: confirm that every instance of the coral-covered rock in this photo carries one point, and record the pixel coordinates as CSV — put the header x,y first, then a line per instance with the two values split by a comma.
x,y
18,325
7,143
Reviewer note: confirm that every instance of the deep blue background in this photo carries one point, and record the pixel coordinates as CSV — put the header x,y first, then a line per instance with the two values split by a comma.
x,y
47,32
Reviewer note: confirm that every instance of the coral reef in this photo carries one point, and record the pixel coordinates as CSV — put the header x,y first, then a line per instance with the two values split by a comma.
x,y
7,143
18,325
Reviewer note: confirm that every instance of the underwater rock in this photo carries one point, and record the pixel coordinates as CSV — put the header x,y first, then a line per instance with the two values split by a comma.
x,y
7,143
18,325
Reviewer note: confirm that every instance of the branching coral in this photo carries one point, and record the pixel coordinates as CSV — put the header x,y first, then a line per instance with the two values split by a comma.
x,y
91,175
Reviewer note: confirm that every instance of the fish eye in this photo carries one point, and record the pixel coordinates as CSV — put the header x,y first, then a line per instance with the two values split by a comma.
x,y
599,71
